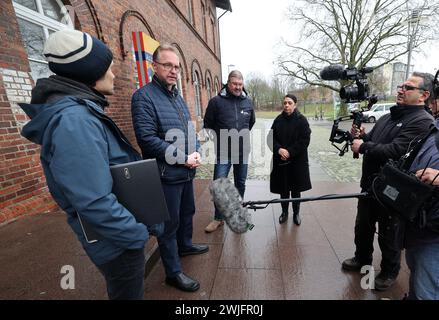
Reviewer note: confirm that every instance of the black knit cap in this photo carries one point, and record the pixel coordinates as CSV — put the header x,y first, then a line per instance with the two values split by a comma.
x,y
77,55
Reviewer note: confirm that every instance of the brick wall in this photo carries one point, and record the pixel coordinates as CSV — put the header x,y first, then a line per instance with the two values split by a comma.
x,y
22,185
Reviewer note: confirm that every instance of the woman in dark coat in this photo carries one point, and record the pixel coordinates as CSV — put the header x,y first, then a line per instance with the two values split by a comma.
x,y
290,174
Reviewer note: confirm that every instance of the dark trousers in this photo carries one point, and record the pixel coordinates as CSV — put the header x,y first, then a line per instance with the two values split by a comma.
x,y
178,229
369,213
125,275
221,170
295,205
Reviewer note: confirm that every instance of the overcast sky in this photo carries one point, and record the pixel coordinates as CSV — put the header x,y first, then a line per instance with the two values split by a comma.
x,y
250,35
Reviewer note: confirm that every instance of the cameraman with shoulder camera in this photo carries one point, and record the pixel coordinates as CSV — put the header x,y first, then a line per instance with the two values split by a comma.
x,y
389,139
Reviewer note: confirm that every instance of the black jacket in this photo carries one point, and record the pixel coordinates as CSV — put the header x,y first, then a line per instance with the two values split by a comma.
x,y
391,137
290,132
227,111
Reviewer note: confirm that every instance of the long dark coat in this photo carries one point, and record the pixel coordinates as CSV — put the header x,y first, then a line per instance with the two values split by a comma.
x,y
290,132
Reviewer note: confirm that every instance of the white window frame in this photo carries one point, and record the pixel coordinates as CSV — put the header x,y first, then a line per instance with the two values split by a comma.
x,y
180,84
39,19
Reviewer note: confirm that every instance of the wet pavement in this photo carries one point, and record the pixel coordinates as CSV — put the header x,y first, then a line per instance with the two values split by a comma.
x,y
272,261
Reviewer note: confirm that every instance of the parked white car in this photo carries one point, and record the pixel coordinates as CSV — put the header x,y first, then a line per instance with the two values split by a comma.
x,y
377,111
353,107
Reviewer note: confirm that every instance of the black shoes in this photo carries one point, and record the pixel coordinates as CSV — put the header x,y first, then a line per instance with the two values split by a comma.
x,y
183,282
195,249
353,264
384,281
296,219
283,217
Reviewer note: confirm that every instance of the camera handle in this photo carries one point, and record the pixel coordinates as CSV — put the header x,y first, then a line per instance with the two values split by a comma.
x,y
358,117
340,136
343,149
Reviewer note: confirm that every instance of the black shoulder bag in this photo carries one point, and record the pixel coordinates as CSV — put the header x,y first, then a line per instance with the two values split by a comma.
x,y
401,191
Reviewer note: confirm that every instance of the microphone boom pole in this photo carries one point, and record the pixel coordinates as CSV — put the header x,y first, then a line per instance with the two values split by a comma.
x,y
254,204
229,203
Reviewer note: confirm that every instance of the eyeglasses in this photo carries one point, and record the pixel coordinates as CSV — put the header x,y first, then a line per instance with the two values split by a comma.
x,y
169,66
406,87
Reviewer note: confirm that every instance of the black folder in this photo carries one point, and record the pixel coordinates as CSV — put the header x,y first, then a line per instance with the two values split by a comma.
x,y
138,188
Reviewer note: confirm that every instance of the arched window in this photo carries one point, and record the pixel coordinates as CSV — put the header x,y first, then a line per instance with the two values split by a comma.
x,y
197,87
209,89
190,9
217,88
179,82
37,19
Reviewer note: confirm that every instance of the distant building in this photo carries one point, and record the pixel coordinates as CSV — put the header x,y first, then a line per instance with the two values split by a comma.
x,y
394,75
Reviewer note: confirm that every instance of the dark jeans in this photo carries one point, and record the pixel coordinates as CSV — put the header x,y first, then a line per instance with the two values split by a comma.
x,y
125,275
369,213
295,205
178,229
239,176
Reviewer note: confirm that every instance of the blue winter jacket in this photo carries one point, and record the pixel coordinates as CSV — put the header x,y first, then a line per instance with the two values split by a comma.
x,y
427,157
78,145
164,130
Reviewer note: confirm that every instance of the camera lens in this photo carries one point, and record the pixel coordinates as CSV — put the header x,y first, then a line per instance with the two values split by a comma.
x,y
349,93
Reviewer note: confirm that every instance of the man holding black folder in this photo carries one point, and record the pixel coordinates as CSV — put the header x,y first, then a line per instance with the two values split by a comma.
x,y
79,143
164,131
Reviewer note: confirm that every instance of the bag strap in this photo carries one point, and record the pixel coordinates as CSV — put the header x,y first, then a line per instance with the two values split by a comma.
x,y
436,139
406,160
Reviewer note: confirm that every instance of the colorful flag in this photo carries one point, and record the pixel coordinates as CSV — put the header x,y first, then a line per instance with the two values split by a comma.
x,y
144,47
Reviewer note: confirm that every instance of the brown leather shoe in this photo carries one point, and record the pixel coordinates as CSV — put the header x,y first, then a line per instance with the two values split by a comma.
x,y
213,226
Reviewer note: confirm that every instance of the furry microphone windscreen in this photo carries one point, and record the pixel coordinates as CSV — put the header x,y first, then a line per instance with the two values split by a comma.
x,y
228,202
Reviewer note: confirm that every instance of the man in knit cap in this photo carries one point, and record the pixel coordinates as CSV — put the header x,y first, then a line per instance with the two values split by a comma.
x,y
79,142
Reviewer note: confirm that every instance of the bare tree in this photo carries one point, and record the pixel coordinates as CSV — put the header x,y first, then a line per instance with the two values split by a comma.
x,y
354,33
279,87
303,94
258,89
267,94
378,83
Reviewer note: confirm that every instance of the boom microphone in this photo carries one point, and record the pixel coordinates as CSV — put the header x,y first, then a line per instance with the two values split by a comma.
x,y
228,202
333,72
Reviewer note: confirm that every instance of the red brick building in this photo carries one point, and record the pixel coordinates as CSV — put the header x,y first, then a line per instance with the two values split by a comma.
x,y
190,25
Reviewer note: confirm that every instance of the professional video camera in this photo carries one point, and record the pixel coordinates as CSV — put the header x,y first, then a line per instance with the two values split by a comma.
x,y
354,92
